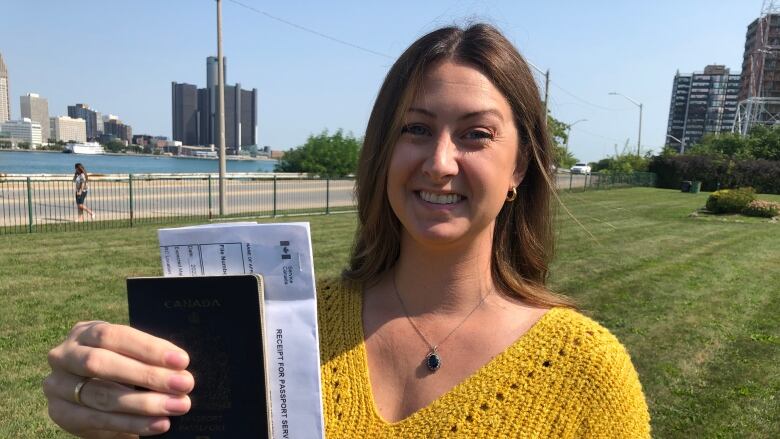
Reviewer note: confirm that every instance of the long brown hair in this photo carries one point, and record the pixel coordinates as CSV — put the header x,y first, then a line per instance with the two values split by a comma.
x,y
80,170
523,236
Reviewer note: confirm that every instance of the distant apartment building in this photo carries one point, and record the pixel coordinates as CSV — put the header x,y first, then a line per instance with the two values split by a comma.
x,y
765,80
91,117
194,112
113,128
24,130
141,139
36,109
68,129
99,123
702,102
5,99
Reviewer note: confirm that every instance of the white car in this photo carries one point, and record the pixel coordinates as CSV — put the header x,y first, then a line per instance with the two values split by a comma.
x,y
580,168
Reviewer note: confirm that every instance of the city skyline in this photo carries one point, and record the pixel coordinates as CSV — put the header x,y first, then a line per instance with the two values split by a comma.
x,y
307,82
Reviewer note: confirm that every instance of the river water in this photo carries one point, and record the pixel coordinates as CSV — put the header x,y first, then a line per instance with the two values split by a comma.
x,y
32,162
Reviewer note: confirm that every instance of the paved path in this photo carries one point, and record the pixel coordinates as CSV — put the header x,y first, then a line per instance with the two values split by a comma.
x,y
53,200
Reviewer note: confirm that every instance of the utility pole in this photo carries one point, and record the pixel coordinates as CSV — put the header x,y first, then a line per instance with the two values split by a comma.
x,y
221,110
639,137
568,132
546,93
546,74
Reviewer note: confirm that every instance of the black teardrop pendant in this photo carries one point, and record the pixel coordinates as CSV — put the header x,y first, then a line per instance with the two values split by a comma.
x,y
433,361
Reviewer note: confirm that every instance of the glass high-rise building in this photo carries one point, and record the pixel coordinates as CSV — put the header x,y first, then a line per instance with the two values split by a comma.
x,y
702,102
194,112
5,101
184,99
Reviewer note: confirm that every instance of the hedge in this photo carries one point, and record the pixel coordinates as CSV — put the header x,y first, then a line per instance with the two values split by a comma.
x,y
716,172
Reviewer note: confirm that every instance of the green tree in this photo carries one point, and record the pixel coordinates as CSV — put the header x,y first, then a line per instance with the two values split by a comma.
x,y
559,134
762,142
624,162
325,155
728,144
53,146
114,145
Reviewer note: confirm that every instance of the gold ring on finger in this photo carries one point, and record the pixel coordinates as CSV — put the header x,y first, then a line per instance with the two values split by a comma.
x,y
79,388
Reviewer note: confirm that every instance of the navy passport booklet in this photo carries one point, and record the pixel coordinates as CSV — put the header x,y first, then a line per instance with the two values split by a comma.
x,y
218,320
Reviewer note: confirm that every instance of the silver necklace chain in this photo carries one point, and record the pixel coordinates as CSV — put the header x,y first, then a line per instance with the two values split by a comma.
x,y
433,347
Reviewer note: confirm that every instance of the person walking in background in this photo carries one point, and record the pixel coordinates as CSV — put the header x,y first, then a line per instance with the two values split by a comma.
x,y
80,179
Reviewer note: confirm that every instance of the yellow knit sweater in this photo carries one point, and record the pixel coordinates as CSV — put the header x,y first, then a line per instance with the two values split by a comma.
x,y
567,377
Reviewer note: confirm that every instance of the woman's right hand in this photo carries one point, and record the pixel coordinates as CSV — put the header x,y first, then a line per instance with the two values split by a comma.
x,y
112,360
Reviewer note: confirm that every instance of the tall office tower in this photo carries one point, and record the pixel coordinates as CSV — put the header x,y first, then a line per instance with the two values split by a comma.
x,y
759,92
67,129
240,117
212,79
5,100
196,109
184,106
205,118
702,102
194,112
248,119
36,109
82,111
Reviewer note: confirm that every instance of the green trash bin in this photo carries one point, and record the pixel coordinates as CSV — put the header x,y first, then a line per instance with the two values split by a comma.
x,y
695,187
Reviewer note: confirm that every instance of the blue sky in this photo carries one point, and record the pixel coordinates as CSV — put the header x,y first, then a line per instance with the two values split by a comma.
x,y
121,56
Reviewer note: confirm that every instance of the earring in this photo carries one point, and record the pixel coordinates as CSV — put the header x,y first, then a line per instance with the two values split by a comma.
x,y
511,196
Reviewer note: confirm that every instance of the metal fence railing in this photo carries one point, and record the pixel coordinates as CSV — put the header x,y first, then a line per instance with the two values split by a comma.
x,y
568,181
47,203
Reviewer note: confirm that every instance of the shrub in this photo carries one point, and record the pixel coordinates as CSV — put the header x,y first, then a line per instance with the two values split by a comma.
x,y
717,172
730,200
766,209
671,170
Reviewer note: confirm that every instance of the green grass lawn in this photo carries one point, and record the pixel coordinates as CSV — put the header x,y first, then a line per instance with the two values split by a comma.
x,y
696,299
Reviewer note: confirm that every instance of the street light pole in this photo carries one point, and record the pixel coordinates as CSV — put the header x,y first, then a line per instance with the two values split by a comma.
x,y
568,131
639,137
546,93
221,110
681,142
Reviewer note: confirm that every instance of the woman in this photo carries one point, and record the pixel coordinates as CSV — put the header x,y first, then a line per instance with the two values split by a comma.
x,y
442,324
80,179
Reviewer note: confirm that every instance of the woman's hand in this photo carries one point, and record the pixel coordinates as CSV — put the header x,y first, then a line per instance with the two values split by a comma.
x,y
110,360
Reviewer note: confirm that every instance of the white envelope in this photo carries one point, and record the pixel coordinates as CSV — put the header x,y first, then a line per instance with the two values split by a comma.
x,y
282,253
